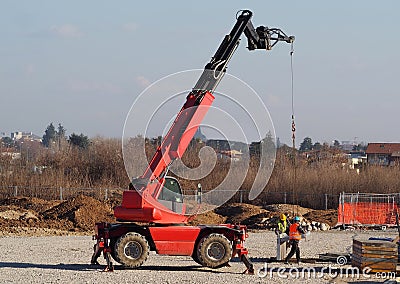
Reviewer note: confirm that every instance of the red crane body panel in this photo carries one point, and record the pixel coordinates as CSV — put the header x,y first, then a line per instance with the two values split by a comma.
x,y
175,240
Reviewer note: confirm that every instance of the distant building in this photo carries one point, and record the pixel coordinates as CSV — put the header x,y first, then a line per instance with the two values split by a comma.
x,y
357,160
28,136
347,146
18,135
232,150
233,155
383,154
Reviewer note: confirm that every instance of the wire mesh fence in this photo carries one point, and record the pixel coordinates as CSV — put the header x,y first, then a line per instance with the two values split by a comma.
x,y
322,201
53,193
368,208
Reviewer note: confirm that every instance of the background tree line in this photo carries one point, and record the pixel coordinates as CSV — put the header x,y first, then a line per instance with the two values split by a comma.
x,y
78,162
308,145
58,137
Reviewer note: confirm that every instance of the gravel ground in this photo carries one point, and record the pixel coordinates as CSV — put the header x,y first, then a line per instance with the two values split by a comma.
x,y
65,259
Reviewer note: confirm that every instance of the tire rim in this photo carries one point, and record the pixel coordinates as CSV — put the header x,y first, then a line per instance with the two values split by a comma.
x,y
216,251
133,250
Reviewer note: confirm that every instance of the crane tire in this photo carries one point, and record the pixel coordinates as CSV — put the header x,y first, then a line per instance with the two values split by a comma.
x,y
113,249
196,258
214,251
131,250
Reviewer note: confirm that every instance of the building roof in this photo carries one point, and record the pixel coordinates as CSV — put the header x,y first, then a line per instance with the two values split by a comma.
x,y
383,148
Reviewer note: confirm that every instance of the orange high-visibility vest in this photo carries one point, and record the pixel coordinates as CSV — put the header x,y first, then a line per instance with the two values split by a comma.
x,y
294,233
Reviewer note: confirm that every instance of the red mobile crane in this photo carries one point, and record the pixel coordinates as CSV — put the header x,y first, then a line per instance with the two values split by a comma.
x,y
157,200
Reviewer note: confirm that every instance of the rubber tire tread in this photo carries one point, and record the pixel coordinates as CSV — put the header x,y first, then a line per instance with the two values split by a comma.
x,y
120,254
205,260
196,258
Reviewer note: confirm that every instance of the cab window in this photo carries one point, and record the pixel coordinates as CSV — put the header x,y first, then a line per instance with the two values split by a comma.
x,y
171,190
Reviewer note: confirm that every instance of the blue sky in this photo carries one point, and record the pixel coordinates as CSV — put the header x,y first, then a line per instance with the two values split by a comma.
x,y
83,63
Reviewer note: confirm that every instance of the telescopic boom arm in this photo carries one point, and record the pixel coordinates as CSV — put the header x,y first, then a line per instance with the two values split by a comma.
x,y
188,119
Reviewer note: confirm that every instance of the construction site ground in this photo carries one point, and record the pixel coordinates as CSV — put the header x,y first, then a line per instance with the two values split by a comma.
x,y
50,242
65,259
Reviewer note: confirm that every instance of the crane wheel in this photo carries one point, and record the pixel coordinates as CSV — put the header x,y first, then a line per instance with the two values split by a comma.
x,y
196,258
214,251
131,250
113,249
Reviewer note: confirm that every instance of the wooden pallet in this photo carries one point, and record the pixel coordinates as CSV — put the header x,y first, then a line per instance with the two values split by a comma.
x,y
379,256
376,266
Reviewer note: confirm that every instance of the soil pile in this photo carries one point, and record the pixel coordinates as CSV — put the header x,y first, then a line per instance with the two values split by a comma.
x,y
23,215
207,218
329,217
253,216
288,209
29,203
83,211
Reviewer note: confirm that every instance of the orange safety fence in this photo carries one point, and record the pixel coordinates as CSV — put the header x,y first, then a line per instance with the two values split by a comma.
x,y
367,213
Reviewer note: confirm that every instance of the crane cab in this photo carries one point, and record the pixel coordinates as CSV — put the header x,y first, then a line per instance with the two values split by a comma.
x,y
164,207
171,195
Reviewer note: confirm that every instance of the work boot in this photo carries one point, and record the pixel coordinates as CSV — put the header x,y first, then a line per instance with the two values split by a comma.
x,y
286,262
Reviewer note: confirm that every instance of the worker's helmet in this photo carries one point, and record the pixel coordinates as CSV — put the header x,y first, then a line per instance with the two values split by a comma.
x,y
297,218
283,217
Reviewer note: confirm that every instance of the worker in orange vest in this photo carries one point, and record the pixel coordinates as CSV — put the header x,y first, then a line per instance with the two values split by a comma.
x,y
295,231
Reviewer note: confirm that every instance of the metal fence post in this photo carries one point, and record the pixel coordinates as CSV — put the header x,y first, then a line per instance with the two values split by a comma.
x,y
15,191
342,202
61,194
284,197
326,201
241,196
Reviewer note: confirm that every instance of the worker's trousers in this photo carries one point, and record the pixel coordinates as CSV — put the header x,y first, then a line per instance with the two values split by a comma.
x,y
294,249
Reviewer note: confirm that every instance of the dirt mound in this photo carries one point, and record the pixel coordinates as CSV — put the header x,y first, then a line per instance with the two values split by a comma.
x,y
288,209
239,212
323,216
83,211
209,217
257,221
17,215
114,198
29,203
